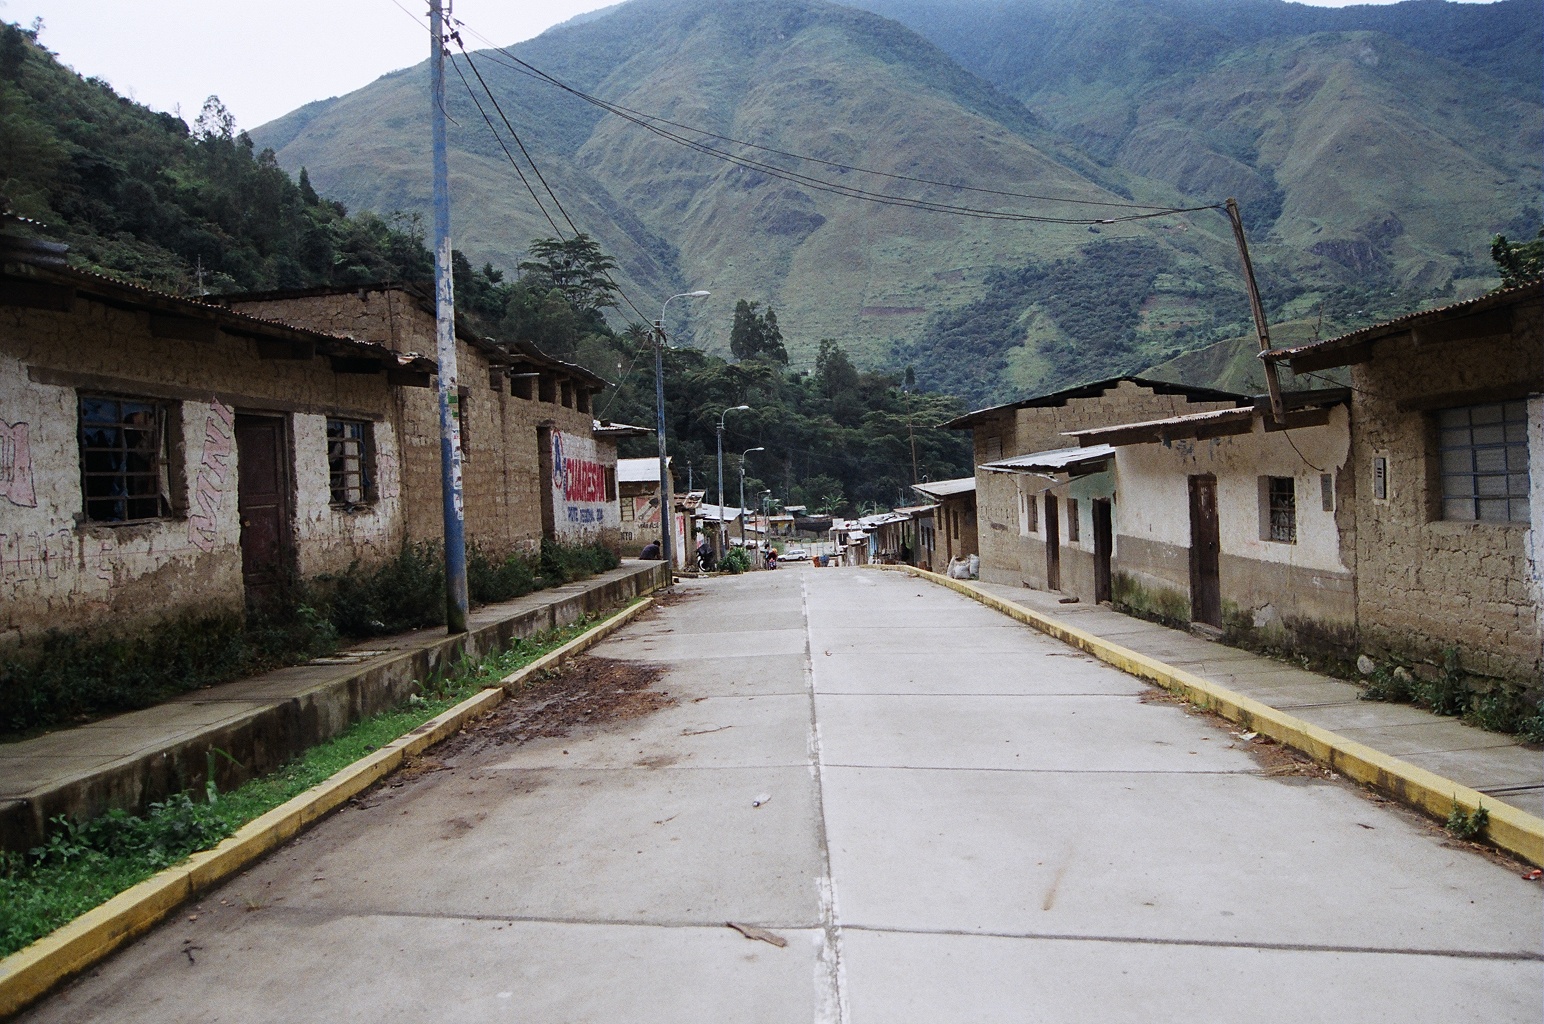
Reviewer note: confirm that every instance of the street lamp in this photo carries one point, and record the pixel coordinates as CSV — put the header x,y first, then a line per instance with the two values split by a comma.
x,y
726,412
666,514
742,491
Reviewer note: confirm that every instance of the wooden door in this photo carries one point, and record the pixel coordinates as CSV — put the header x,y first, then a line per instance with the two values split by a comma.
x,y
263,501
1104,544
1052,544
1205,547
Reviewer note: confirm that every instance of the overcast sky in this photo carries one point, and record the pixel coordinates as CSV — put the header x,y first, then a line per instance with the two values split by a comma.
x,y
264,58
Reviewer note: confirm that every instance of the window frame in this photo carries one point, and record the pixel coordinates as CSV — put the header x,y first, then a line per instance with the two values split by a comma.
x,y
368,486
1278,509
1510,442
1074,524
162,469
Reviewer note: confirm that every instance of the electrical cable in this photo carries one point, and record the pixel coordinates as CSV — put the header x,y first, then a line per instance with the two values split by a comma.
x,y
499,139
537,170
533,72
848,191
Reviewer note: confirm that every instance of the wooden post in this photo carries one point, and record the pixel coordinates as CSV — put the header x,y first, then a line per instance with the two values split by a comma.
x,y
1272,382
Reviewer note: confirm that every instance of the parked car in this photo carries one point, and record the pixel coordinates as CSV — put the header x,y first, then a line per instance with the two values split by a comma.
x,y
794,555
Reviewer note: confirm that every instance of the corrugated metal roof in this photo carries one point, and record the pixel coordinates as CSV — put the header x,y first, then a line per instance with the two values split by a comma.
x,y
1117,432
719,513
945,488
1532,289
1058,460
112,290
1094,389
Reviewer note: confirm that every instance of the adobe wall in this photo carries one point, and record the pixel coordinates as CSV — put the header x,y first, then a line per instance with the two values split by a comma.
x,y
1427,584
1007,555
502,484
59,571
1280,593
390,316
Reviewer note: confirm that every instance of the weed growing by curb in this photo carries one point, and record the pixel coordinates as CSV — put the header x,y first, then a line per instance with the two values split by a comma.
x,y
84,864
1468,826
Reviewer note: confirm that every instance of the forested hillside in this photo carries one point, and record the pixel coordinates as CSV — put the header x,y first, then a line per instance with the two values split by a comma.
x,y
137,194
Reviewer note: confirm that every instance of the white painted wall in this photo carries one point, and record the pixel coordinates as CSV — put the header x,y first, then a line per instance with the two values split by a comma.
x,y
1154,492
329,538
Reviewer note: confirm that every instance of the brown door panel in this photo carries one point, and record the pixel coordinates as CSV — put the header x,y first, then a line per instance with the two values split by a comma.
x,y
1205,552
263,501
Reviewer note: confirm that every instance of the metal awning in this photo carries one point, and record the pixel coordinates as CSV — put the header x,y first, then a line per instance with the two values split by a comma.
x,y
1059,460
946,488
1218,423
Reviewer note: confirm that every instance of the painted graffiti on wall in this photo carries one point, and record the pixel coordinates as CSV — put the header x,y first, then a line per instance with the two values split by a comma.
x,y
646,511
213,474
16,465
578,485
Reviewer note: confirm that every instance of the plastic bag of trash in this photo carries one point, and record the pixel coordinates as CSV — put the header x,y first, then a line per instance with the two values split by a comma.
x,y
959,568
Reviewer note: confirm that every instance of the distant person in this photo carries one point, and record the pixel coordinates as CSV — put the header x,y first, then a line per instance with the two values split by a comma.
x,y
651,552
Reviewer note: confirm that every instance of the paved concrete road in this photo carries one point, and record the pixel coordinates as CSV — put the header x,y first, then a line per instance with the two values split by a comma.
x,y
968,822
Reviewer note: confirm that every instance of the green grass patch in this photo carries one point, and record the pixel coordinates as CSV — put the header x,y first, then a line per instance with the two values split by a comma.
x,y
84,864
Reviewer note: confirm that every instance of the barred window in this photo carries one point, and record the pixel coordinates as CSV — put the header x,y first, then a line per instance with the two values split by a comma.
x,y
350,458
1281,509
1483,451
124,459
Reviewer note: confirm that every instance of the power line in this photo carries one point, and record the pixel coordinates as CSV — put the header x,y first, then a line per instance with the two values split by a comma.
x,y
499,139
512,162
852,191
512,133
537,170
531,71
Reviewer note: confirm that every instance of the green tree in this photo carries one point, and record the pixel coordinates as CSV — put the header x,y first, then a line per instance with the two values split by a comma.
x,y
756,335
1519,262
577,267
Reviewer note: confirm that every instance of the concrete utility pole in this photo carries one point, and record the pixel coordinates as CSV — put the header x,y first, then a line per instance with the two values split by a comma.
x,y
445,340
1272,383
666,515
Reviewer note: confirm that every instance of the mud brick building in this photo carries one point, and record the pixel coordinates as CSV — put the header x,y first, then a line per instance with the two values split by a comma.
x,y
1035,524
1229,518
532,461
1447,454
956,521
159,454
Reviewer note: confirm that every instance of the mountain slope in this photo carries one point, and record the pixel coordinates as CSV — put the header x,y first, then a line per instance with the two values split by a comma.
x,y
1374,151
812,77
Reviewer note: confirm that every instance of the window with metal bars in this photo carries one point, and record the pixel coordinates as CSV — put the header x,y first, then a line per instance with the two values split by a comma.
x,y
350,458
124,459
1483,455
1281,509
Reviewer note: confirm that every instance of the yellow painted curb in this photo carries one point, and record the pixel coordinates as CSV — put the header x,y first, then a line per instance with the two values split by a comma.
x,y
32,972
1510,828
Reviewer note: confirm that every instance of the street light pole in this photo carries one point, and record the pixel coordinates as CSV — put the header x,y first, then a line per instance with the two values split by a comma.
x,y
742,492
726,412
666,513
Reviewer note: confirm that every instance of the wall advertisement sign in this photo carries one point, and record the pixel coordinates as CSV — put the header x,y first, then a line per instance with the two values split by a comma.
x,y
579,500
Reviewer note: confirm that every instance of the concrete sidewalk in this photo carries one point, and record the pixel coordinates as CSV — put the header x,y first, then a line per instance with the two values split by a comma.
x,y
1493,763
132,759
